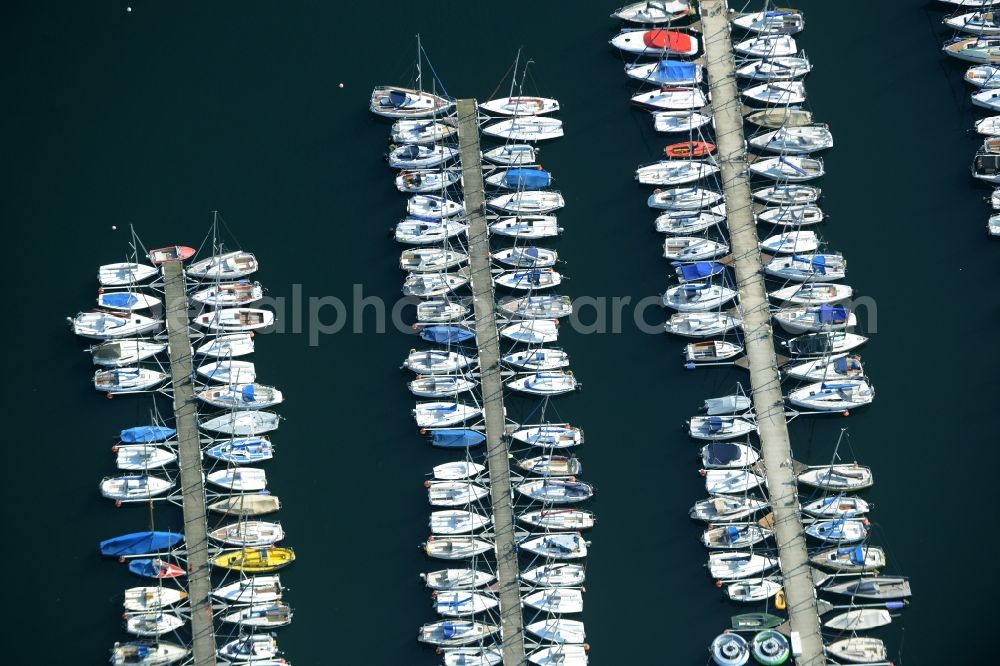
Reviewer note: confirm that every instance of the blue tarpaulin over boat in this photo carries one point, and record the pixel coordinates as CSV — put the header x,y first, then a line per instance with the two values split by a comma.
x,y
397,97
732,534
530,179
138,543
455,439
146,434
119,300
846,363
446,334
700,270
719,453
672,71
146,567
832,314
248,393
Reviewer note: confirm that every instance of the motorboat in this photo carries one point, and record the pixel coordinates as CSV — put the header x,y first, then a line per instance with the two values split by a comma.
x,y
782,194
440,386
427,180
986,163
455,547
141,457
441,414
134,487
526,257
511,154
126,301
226,266
697,297
731,481
248,533
555,600
836,506
239,479
777,93
532,331
716,428
242,423
227,345
667,98
977,23
667,72
255,589
876,588
727,566
409,156
436,362
456,603
551,465
456,579
558,630
456,521
266,615
693,248
859,619
140,543
250,649
398,102
808,266
812,293
780,116
128,380
838,478
791,242
529,279
163,255
423,131
811,318
983,76
734,535
255,560
550,435
859,650
527,226
246,505
552,382
555,574
241,396
433,207
729,650
726,508
658,42
118,353
147,598
429,285
520,105
229,372
726,455
559,546
674,172
701,324
530,202
772,22
767,46
824,343
653,12
142,653
559,519
753,590
684,198
520,178
549,306
782,68
685,222
711,351
460,469
152,624
794,140
454,493
770,647
456,632
106,325
839,530
670,122
788,168
236,319
230,294
124,274
526,128
555,491
977,49
833,396
440,310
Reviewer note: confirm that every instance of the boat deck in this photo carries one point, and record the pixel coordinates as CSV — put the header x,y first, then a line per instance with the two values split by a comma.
x,y
199,576
764,377
488,343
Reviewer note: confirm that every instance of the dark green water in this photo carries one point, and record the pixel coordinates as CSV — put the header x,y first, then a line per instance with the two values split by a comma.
x,y
159,116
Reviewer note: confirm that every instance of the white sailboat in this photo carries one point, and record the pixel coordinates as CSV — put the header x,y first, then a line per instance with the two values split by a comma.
x,y
527,227
128,380
526,128
236,319
105,325
227,345
229,372
224,294
124,274
118,353
701,324
227,266
440,414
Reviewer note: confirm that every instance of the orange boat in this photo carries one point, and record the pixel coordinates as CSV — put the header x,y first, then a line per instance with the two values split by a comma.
x,y
171,253
689,149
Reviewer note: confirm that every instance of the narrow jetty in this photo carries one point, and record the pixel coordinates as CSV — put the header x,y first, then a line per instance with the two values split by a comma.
x,y
488,343
199,576
764,377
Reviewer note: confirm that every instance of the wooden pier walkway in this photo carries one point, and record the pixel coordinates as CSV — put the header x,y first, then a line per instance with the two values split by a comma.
x,y
488,343
764,377
199,576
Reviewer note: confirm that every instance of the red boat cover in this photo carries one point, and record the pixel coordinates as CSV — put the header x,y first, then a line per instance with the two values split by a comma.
x,y
668,40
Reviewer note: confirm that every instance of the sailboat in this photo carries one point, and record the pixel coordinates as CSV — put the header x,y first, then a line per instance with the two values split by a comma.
x,y
124,274
657,42
126,300
145,653
108,325
520,105
399,102
653,12
118,353
224,266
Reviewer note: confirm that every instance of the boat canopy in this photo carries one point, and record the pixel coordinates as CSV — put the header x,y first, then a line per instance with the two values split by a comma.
x,y
672,71
456,438
119,300
716,423
832,314
146,434
700,270
846,364
727,405
248,393
446,334
666,39
721,453
397,97
731,534
527,178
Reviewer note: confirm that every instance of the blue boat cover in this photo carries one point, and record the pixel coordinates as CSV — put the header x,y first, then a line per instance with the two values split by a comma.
x,y
832,314
138,543
397,97
446,334
453,439
248,393
530,179
119,300
858,555
842,365
672,71
721,453
145,567
700,270
731,534
146,434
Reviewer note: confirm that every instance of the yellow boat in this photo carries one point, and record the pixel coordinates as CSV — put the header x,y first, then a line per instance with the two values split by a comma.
x,y
255,560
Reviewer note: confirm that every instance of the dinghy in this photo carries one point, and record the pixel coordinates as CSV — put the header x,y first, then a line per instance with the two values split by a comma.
x,y
701,324
833,396
555,491
532,332
534,278
141,457
229,372
726,508
983,76
118,353
659,43
851,559
239,479
734,536
773,22
460,469
139,543
767,46
241,396
839,530
520,178
439,310
711,351
249,533
236,319
456,632
729,650
242,423
455,547
228,266
784,68
440,386
697,297
103,325
726,455
246,505
526,257
753,590
250,649
423,131
148,598
770,647
140,653
781,116
162,255
134,488
716,428
555,436
553,382
454,493
670,122
558,630
520,106
425,285
511,154
666,72
432,207
812,293
790,242
255,589
788,168
223,294
427,180
799,268
788,195
551,465
559,519
861,619
526,128
652,12
267,615
794,140
124,274
126,301
810,318
420,157
824,343
530,202
976,23
555,600
836,506
838,478
128,380
978,49
226,346
549,306
878,588
455,521
736,566
674,172
781,93
558,574
693,248
152,624
687,222
684,198
560,546
436,362
527,226
456,603
859,650
731,481
397,102
255,560
671,99
456,579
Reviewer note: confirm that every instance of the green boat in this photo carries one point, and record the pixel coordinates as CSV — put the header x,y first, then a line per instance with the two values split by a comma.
x,y
781,117
755,621
770,648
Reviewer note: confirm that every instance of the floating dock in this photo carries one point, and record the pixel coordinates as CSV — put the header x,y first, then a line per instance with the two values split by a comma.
x,y
765,380
488,344
199,576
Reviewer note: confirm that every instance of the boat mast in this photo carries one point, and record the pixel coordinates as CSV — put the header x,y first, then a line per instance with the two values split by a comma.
x,y
513,79
420,84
